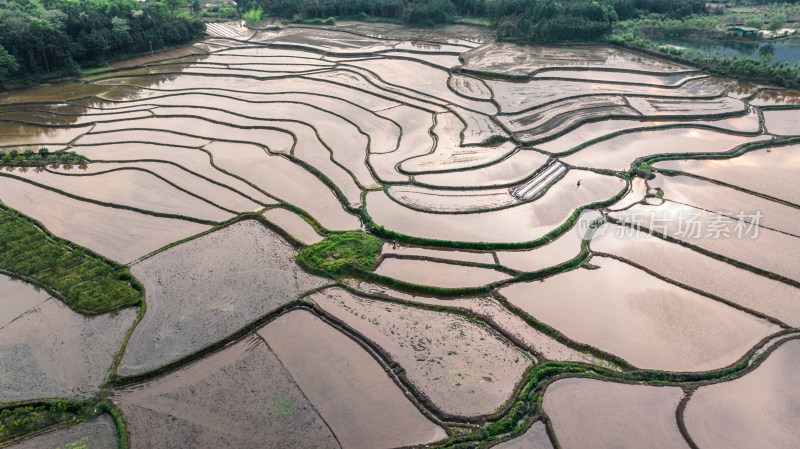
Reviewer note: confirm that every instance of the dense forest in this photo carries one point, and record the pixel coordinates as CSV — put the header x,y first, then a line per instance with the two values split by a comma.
x,y
57,37
523,20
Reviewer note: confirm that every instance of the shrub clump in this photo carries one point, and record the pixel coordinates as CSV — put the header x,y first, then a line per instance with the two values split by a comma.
x,y
341,254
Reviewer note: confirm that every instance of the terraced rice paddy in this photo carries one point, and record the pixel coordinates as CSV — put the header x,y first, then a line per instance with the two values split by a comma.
x,y
370,236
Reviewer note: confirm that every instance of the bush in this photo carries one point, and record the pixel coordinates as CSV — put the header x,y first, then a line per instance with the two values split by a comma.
x,y
341,253
754,22
253,17
228,13
777,21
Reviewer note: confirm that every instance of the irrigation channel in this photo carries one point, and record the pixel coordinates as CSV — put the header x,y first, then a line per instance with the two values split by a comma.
x,y
367,236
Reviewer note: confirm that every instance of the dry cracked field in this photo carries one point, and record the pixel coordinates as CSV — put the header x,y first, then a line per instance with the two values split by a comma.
x,y
370,236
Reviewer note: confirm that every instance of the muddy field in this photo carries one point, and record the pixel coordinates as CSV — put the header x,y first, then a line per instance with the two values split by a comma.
x,y
203,290
372,236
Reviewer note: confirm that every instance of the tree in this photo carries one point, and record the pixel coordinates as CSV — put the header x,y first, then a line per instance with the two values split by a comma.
x,y
8,64
253,17
174,5
777,21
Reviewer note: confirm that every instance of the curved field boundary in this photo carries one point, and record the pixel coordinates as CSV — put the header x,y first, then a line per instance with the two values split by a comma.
x,y
482,209
700,292
134,168
382,232
111,205
639,95
747,364
212,92
174,164
356,33
612,135
669,172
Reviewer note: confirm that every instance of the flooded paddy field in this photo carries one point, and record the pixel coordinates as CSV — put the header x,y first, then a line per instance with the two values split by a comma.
x,y
745,288
461,367
665,327
535,438
242,396
437,274
771,172
47,350
350,389
592,413
758,409
195,302
371,236
620,152
489,310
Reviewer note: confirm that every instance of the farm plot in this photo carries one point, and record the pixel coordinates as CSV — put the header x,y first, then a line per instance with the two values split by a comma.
x,y
193,162
771,171
783,122
242,396
490,310
619,415
350,390
736,204
524,59
136,189
735,238
293,224
619,152
619,77
21,134
191,304
646,321
437,274
589,132
757,409
511,170
519,97
681,264
420,198
119,234
449,154
47,350
534,438
525,222
458,378
99,432
284,180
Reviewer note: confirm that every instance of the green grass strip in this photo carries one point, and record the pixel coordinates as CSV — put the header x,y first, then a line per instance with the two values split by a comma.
x,y
22,421
86,282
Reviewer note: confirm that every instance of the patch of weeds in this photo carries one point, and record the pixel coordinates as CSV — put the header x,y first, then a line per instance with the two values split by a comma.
x,y
341,254
284,404
21,420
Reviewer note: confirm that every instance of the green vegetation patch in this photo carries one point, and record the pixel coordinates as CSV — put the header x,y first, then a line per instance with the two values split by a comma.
x,y
23,419
87,283
340,254
41,157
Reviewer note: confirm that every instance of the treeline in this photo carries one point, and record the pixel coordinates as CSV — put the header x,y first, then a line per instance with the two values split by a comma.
x,y
553,21
51,37
762,70
523,20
